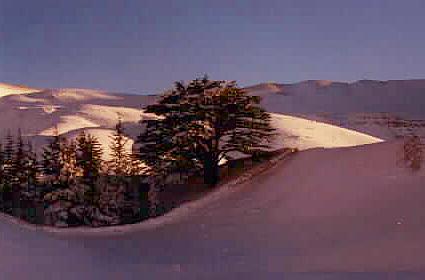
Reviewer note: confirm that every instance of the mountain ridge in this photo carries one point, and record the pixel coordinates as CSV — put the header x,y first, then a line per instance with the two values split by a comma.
x,y
275,87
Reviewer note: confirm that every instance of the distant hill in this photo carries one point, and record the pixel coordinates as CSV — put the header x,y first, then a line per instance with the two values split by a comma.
x,y
9,89
402,97
38,113
384,109
365,106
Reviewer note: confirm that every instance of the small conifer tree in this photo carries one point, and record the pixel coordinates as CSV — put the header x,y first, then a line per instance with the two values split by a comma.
x,y
120,163
8,167
69,160
89,160
2,181
1,166
52,160
20,162
31,169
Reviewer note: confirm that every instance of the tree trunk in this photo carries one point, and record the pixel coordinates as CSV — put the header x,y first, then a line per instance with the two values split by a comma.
x,y
211,171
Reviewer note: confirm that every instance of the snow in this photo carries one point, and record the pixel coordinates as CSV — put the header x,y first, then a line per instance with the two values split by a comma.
x,y
352,105
8,89
70,110
67,124
39,114
345,203
295,132
321,210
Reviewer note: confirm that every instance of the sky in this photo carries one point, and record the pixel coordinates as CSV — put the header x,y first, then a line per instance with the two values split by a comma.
x,y
144,46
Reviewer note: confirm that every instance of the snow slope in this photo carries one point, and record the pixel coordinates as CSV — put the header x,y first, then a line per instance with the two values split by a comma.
x,y
324,210
69,111
8,89
350,207
367,106
38,114
304,134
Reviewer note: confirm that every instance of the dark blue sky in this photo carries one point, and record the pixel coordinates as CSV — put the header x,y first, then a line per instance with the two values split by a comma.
x,y
143,46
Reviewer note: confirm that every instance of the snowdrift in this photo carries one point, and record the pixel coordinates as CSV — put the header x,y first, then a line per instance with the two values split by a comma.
x,y
305,134
343,209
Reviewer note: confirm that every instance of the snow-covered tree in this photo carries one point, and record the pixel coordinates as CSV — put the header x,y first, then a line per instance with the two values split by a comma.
x,y
2,179
69,159
25,167
89,160
52,159
121,160
89,155
9,152
199,124
20,161
31,168
2,161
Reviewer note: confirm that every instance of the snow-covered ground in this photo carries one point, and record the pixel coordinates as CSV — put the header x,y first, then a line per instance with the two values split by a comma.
x,y
337,206
295,132
344,209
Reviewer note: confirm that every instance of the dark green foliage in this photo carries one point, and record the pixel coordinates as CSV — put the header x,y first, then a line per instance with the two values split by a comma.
x,y
9,151
8,174
71,178
69,162
2,161
89,160
20,161
201,123
31,169
59,161
155,142
25,170
3,186
121,161
18,165
52,160
89,155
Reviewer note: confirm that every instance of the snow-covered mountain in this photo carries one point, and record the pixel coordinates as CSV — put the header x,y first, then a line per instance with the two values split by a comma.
x,y
385,109
404,97
9,89
37,114
381,109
